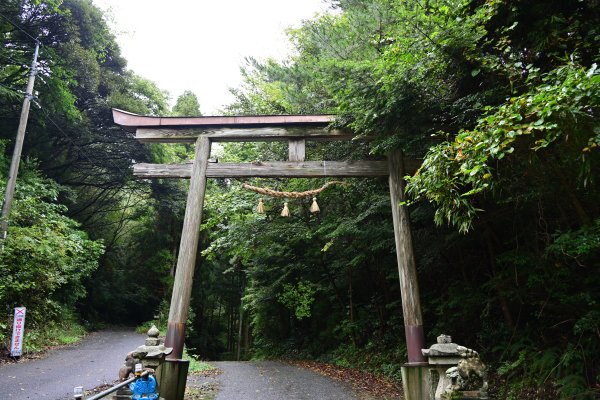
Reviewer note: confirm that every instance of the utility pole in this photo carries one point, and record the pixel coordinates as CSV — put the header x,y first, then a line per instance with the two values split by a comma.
x,y
16,158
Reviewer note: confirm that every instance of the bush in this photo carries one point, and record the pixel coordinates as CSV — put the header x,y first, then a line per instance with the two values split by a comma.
x,y
45,259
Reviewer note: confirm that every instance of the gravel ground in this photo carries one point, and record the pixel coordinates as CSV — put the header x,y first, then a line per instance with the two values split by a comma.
x,y
271,380
94,361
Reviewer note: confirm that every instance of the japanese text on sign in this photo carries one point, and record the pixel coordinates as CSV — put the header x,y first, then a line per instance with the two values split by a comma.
x,y
16,347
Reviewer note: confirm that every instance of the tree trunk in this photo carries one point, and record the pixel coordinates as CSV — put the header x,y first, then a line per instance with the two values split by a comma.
x,y
351,308
240,325
492,260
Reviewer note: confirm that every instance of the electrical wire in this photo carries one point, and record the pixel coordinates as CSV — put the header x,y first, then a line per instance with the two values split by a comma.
x,y
13,89
19,28
16,62
47,114
70,139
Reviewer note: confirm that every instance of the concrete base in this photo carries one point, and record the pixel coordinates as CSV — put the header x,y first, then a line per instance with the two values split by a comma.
x,y
416,381
172,377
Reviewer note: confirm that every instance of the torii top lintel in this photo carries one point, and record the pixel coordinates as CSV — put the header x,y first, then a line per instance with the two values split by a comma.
x,y
229,128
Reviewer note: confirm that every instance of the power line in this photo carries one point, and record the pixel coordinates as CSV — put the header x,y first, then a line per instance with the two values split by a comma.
x,y
22,64
70,139
47,114
17,62
12,89
79,149
11,182
19,28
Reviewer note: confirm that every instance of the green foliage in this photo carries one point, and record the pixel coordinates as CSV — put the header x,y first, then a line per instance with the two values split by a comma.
x,y
583,242
81,74
272,88
298,298
187,105
299,266
197,365
560,108
140,96
501,99
46,258
67,330
379,360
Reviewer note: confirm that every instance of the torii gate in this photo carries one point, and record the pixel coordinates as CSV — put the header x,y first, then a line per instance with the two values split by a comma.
x,y
296,129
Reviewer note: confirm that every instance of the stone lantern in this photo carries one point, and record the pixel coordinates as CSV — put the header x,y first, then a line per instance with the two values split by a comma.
x,y
151,355
153,352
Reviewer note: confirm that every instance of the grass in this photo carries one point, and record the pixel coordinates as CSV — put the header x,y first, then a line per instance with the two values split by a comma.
x,y
55,334
207,390
144,327
69,333
199,394
196,365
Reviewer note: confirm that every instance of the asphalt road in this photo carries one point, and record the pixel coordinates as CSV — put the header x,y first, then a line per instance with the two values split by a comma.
x,y
93,362
271,380
97,359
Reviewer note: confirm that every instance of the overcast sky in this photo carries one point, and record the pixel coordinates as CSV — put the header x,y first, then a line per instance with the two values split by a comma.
x,y
199,45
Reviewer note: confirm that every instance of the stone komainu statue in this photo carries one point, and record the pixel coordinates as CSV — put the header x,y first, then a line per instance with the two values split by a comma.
x,y
128,366
458,370
470,368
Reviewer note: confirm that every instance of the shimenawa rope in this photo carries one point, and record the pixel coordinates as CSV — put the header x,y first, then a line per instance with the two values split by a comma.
x,y
290,195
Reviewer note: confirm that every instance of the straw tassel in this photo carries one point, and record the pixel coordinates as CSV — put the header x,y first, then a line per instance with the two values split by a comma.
x,y
314,208
261,207
286,211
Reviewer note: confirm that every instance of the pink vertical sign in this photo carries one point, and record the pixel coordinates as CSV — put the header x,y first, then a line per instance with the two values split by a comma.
x,y
16,346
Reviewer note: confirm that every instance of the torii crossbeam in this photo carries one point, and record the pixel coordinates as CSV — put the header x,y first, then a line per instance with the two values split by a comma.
x,y
295,129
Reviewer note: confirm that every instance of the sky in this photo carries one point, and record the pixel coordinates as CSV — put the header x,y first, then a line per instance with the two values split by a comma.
x,y
199,45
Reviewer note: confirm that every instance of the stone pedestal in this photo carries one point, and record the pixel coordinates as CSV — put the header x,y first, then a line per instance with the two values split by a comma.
x,y
443,381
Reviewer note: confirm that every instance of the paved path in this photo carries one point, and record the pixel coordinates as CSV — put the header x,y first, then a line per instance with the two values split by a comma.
x,y
271,380
96,360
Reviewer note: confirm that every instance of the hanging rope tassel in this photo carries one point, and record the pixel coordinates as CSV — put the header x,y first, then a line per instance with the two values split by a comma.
x,y
286,211
290,195
261,207
314,208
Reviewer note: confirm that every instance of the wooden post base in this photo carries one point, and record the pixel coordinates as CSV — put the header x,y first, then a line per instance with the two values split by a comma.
x,y
416,381
172,378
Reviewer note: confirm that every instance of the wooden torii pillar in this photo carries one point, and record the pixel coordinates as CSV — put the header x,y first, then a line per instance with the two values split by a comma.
x,y
295,129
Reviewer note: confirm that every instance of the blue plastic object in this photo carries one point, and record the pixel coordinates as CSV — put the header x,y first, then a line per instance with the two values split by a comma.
x,y
144,388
